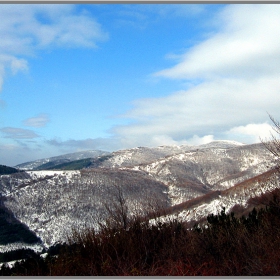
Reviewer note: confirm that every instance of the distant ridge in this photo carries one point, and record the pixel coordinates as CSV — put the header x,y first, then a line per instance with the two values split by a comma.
x,y
126,157
7,170
48,163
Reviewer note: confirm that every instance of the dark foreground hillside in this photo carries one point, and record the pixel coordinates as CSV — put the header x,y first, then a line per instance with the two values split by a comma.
x,y
224,245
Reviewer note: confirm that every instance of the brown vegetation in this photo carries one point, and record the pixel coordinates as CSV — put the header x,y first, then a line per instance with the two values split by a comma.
x,y
226,245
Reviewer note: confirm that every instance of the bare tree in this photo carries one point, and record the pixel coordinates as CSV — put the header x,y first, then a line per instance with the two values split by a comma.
x,y
273,145
118,209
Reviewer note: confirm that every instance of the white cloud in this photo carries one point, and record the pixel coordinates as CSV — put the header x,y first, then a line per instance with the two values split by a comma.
x,y
18,133
37,26
253,132
38,121
18,65
208,109
240,82
247,46
25,29
196,140
84,144
13,63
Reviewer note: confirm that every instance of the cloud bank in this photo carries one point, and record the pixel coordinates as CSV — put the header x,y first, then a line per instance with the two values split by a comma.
x,y
28,28
238,70
18,133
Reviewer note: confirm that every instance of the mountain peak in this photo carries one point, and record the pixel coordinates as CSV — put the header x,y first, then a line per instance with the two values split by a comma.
x,y
224,144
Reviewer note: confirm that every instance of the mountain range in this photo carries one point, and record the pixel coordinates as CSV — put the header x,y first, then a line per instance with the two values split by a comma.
x,y
49,163
52,197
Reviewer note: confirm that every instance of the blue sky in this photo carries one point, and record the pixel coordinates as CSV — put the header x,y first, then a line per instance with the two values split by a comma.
x,y
110,77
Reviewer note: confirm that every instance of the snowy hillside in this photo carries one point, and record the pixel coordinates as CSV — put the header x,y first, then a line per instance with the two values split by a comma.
x,y
210,167
53,203
141,155
32,165
201,178
234,198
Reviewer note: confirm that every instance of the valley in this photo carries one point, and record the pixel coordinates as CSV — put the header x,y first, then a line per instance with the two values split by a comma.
x,y
181,182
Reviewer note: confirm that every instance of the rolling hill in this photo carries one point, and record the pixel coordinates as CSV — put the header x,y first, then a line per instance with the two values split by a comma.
x,y
187,182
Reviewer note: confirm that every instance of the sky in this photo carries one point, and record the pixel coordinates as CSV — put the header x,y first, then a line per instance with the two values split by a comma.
x,y
77,77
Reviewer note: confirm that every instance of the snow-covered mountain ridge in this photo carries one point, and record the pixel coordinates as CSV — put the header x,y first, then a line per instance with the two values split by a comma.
x,y
196,172
53,202
141,155
126,157
33,165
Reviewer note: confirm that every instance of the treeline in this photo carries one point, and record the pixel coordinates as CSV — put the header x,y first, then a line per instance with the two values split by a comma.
x,y
224,245
73,165
4,170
